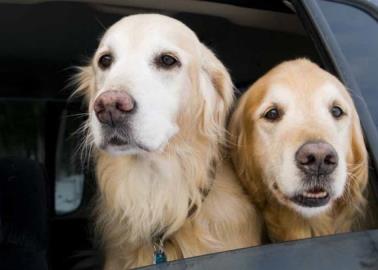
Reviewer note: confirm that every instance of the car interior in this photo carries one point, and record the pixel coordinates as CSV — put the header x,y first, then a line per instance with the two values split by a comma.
x,y
47,183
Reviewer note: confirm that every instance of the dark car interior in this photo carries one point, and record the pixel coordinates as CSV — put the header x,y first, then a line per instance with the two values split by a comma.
x,y
46,180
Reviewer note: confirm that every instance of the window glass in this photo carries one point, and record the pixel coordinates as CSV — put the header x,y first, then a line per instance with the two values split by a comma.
x,y
357,34
69,180
29,129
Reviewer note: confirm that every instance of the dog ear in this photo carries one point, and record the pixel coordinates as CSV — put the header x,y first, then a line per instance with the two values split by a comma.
x,y
239,130
215,77
219,76
357,163
241,142
84,81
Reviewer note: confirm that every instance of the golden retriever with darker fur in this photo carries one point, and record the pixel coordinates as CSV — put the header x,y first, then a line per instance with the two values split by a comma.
x,y
298,148
158,100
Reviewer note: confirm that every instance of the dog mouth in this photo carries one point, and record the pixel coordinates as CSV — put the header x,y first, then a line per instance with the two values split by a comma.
x,y
119,144
313,197
117,141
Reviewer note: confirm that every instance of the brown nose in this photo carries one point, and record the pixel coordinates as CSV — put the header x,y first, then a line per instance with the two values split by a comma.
x,y
316,158
112,107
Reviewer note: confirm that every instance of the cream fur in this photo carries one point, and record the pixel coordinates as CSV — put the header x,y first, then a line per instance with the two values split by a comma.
x,y
146,193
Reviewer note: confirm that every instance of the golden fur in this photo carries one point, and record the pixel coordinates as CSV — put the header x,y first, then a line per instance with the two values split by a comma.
x,y
141,196
302,78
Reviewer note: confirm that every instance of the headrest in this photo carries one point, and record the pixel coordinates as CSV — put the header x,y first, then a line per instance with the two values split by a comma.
x,y
23,210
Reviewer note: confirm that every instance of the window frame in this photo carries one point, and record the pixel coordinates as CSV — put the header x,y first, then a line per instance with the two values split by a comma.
x,y
335,62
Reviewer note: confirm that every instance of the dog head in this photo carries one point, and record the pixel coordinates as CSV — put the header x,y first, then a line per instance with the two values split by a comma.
x,y
297,131
150,79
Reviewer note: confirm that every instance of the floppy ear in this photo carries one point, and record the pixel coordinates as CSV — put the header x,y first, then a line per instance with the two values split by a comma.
x,y
84,81
239,139
218,78
357,164
242,142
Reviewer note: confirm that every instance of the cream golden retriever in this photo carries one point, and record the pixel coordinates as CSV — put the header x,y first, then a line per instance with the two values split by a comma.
x,y
298,148
158,101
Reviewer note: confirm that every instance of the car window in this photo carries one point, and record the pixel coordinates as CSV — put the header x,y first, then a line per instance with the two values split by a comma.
x,y
69,179
24,133
356,32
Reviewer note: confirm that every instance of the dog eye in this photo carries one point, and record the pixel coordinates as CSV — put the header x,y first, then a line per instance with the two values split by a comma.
x,y
105,61
337,112
166,61
272,114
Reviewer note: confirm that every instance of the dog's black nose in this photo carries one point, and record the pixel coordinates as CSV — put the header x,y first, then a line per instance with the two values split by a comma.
x,y
112,107
317,158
